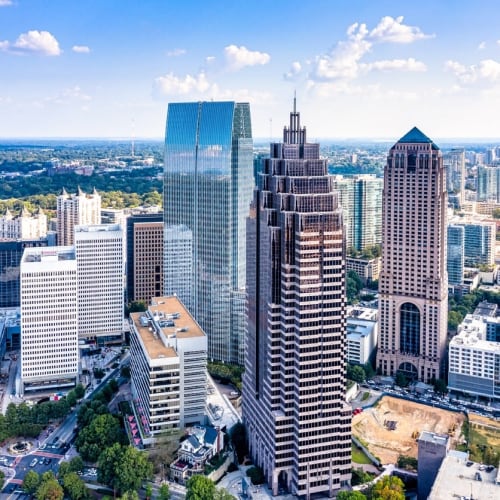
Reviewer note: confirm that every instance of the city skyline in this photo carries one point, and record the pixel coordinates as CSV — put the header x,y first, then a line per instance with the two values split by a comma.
x,y
109,69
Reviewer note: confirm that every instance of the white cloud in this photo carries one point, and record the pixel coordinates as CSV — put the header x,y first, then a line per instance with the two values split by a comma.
x,y
239,57
409,64
345,60
173,85
391,29
487,70
176,52
34,42
481,46
295,69
209,59
5,3
80,49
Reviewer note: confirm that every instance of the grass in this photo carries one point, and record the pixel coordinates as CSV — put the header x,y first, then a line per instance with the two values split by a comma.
x,y
358,456
366,395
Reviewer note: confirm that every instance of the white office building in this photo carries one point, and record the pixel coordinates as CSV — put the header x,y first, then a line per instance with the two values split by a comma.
x,y
474,362
362,329
99,254
168,361
178,262
49,319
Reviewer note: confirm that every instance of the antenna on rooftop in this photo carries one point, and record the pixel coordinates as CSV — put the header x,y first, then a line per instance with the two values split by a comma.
x,y
295,101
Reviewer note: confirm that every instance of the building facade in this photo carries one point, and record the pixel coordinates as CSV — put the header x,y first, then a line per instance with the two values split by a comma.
x,y
178,263
76,209
413,284
298,423
432,450
362,331
49,319
99,255
455,254
208,180
11,253
361,201
168,368
25,226
454,164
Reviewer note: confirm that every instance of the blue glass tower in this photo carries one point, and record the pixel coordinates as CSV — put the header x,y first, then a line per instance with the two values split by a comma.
x,y
208,183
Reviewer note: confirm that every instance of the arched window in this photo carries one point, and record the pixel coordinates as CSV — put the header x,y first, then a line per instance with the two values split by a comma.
x,y
409,339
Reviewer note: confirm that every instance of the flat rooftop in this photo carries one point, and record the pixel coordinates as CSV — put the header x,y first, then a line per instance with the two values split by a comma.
x,y
170,317
48,254
456,479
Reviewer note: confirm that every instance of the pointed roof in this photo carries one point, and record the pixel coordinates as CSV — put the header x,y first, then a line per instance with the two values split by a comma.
x,y
415,136
25,212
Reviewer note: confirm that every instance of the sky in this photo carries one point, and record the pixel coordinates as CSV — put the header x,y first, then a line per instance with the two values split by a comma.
x,y
359,68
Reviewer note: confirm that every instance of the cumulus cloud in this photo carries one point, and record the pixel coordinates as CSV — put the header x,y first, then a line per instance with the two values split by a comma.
x,y
33,42
345,60
176,52
5,3
173,85
239,57
209,59
488,70
481,46
80,49
391,29
295,69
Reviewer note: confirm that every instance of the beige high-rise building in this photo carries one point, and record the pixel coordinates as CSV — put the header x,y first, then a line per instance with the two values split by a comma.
x,y
413,282
74,210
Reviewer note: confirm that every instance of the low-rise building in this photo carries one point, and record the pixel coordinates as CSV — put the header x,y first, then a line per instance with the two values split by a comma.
x,y
362,329
367,269
474,362
168,360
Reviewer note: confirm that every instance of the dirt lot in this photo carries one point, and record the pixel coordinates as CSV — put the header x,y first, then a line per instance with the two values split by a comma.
x,y
408,419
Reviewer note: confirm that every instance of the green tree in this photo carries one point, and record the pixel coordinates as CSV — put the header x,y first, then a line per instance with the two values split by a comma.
x,y
408,463
149,491
164,492
354,285
75,487
256,475
350,495
200,488
123,468
440,386
2,479
388,488
358,374
50,490
76,464
31,482
222,494
79,391
71,398
130,495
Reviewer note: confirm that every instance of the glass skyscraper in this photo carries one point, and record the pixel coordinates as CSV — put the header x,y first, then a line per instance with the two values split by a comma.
x,y
208,186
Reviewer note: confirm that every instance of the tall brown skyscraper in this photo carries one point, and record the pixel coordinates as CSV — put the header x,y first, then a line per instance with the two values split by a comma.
x,y
413,281
298,423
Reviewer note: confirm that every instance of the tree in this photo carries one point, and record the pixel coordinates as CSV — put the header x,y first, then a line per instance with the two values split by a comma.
x,y
74,486
200,488
50,490
31,482
408,463
79,391
238,434
71,398
222,494
440,386
354,285
123,468
130,495
256,475
149,491
388,488
164,492
350,495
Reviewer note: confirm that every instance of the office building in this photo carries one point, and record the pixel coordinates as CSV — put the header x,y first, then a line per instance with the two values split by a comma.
x,y
362,330
488,184
361,200
479,244
367,269
454,164
178,263
208,181
99,255
432,450
168,361
11,253
413,284
49,319
455,254
294,409
133,271
25,226
76,209
474,362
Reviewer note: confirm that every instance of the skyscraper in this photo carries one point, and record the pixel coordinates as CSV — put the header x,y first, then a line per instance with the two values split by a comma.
x,y
99,256
208,187
73,210
298,424
413,283
361,200
454,164
455,254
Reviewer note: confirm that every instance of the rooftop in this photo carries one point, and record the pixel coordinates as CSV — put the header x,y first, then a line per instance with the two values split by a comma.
x,y
415,136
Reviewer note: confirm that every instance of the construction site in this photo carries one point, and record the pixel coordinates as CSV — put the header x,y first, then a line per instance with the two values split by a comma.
x,y
391,427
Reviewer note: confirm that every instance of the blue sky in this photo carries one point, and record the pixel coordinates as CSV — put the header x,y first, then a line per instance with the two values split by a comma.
x,y
360,68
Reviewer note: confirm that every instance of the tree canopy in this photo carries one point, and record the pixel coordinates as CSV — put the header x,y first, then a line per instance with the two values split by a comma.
x,y
388,488
200,488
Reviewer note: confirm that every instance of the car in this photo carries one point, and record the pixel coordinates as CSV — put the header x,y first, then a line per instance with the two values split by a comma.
x,y
34,462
